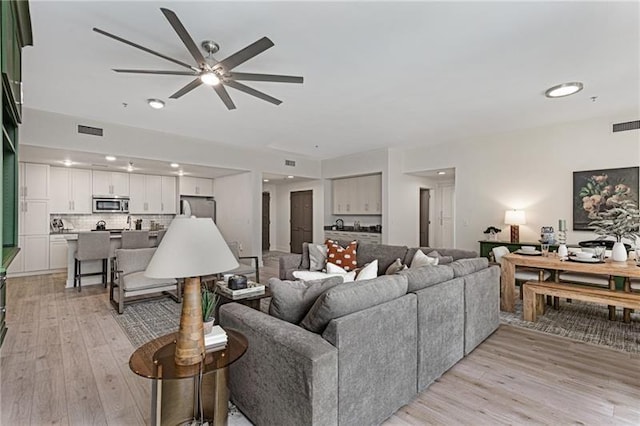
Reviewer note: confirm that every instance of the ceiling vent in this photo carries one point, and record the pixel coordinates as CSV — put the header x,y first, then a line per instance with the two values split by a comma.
x,y
289,163
629,125
88,130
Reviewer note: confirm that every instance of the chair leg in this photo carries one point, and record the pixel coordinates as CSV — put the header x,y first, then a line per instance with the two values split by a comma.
x,y
104,272
79,276
120,298
75,272
556,303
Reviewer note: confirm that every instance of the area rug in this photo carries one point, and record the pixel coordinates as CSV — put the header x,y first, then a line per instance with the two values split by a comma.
x,y
586,322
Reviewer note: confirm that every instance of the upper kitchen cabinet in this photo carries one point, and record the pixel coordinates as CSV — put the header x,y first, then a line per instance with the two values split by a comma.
x,y
145,194
199,187
360,195
110,183
35,181
70,191
169,196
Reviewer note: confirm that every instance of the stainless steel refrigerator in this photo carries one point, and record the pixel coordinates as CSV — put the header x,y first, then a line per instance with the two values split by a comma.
x,y
198,206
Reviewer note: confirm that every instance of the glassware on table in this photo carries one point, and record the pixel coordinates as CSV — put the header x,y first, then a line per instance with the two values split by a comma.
x,y
599,251
544,248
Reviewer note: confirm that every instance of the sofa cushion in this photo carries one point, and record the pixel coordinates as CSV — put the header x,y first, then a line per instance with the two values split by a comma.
x,y
426,276
420,259
344,257
137,281
464,267
455,253
319,275
395,267
385,254
345,299
317,257
442,260
291,300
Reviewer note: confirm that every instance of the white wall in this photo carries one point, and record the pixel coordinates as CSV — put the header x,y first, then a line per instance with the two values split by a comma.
x,y
283,208
530,170
234,210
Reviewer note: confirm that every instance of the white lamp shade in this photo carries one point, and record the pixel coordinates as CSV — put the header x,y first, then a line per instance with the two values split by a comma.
x,y
192,247
514,217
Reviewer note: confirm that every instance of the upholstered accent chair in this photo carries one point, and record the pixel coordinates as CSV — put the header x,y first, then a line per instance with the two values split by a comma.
x,y
248,265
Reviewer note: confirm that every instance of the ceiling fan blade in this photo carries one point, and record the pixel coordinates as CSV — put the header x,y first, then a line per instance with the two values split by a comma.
x,y
137,46
184,36
245,54
186,89
253,92
224,95
155,72
265,77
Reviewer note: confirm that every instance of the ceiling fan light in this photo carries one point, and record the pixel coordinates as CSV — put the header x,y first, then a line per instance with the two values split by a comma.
x,y
210,79
155,103
564,89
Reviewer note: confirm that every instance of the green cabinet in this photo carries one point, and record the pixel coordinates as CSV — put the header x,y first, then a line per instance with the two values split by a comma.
x,y
15,33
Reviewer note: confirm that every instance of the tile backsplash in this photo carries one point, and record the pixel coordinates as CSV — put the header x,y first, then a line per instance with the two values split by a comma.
x,y
86,222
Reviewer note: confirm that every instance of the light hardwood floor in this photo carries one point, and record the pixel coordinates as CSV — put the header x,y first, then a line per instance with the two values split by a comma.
x,y
65,361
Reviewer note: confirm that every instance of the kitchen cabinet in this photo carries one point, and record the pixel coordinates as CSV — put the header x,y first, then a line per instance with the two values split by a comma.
x,y
58,252
17,265
36,253
145,194
35,217
358,195
201,187
110,183
70,191
35,181
169,196
361,237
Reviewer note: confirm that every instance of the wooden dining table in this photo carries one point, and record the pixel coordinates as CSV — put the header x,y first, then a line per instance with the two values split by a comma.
x,y
552,262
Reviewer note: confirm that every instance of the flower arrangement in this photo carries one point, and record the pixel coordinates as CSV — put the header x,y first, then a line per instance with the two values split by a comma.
x,y
622,220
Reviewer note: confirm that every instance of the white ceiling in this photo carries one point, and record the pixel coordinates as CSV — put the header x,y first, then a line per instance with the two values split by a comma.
x,y
377,74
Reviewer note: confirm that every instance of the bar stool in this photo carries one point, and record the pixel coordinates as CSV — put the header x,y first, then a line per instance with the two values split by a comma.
x,y
160,236
91,246
135,239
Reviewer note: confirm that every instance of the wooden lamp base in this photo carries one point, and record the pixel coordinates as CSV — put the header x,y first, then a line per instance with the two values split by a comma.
x,y
515,234
190,341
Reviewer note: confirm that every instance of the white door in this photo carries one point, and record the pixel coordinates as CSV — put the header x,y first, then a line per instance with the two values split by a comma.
x,y
120,184
153,189
81,191
36,218
36,181
36,253
445,208
137,201
168,195
101,183
60,191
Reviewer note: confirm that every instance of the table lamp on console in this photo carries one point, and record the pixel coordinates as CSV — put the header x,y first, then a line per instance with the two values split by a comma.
x,y
515,218
191,248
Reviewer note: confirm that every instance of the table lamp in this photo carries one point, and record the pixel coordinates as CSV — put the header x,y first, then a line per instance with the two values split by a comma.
x,y
514,218
191,248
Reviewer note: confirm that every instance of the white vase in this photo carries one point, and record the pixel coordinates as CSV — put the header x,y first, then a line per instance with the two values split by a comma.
x,y
563,251
619,252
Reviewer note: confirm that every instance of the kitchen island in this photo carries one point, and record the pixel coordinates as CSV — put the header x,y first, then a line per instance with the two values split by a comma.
x,y
89,266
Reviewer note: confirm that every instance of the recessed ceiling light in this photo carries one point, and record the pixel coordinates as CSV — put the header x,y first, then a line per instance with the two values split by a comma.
x,y
265,180
110,158
130,167
442,173
155,103
67,163
210,79
180,173
174,165
289,177
564,89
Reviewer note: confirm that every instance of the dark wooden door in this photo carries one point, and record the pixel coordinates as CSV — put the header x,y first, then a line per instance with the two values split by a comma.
x,y
266,221
424,217
301,219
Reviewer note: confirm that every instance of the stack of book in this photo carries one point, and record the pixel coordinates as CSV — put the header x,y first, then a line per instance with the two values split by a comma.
x,y
253,289
216,339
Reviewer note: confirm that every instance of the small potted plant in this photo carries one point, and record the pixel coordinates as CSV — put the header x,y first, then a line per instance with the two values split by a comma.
x,y
209,301
492,233
622,220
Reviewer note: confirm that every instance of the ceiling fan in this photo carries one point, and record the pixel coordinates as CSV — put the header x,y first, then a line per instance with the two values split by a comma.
x,y
209,71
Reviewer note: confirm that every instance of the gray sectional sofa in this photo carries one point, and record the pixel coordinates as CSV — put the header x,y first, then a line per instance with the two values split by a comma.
x,y
403,332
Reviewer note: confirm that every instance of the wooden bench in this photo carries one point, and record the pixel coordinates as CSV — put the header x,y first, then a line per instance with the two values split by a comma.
x,y
534,292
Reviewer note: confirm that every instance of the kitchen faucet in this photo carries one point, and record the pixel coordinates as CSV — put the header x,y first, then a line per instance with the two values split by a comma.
x,y
129,222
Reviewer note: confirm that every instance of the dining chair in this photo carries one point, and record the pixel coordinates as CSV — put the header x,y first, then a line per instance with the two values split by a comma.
x,y
94,245
521,274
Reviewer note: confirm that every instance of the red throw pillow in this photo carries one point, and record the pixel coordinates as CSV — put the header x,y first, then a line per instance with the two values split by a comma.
x,y
345,257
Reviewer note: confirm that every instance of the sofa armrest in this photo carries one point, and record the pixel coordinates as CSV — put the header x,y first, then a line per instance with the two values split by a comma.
x,y
288,376
289,262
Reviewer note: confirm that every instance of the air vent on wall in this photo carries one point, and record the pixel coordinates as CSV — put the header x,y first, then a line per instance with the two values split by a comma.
x,y
87,130
629,125
290,163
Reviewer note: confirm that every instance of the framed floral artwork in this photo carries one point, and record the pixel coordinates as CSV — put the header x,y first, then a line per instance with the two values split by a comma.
x,y
596,190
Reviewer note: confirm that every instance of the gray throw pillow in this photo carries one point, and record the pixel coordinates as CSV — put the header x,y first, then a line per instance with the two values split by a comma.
x,y
317,257
291,300
442,260
395,267
348,298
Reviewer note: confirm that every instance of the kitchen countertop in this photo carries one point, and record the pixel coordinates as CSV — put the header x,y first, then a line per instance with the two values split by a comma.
x,y
73,235
364,229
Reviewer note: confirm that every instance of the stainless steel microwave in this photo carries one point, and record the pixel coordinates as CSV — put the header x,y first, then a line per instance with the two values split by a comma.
x,y
110,204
